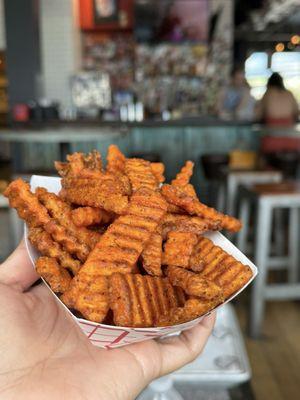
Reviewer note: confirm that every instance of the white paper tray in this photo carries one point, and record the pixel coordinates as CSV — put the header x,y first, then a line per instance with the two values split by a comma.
x,y
107,336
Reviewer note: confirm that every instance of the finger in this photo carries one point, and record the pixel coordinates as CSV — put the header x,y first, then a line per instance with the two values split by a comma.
x,y
183,349
18,270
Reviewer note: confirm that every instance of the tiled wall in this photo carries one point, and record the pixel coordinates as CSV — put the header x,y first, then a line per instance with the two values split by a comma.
x,y
60,47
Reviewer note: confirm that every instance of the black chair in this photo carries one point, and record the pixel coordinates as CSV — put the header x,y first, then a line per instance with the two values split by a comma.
x,y
152,157
286,162
215,167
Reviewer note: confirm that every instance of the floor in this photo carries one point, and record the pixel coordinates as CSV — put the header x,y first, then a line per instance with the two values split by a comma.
x,y
275,359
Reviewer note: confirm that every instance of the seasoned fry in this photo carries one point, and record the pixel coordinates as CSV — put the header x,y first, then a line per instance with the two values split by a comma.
x,y
193,284
117,184
221,268
57,277
186,223
104,196
184,176
26,203
81,165
86,216
158,170
140,174
93,161
69,242
152,253
61,212
88,295
47,247
178,249
192,309
192,205
174,209
140,301
115,160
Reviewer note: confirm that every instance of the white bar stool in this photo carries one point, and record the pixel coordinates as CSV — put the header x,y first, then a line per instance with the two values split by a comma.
x,y
268,197
237,178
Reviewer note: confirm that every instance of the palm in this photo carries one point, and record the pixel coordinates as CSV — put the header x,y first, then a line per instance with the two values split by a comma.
x,y
61,359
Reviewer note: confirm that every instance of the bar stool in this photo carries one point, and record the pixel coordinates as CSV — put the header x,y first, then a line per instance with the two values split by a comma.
x,y
236,178
283,153
268,197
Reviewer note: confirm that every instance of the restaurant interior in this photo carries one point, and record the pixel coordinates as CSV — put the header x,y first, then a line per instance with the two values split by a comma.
x,y
216,82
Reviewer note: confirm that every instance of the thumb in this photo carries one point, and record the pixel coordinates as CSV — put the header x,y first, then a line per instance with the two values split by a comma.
x,y
18,270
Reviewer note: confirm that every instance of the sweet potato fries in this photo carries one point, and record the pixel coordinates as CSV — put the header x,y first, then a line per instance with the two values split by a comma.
x,y
116,238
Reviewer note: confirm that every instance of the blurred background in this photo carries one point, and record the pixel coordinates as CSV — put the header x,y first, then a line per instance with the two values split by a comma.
x,y
213,81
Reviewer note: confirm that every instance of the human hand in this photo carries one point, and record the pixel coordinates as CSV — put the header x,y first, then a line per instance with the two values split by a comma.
x,y
45,355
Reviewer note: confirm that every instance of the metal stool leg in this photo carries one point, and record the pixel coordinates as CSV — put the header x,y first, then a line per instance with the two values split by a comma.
x,y
293,244
262,246
221,200
244,215
231,194
279,236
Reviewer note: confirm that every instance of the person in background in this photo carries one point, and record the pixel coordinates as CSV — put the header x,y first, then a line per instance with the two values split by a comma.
x,y
235,101
278,107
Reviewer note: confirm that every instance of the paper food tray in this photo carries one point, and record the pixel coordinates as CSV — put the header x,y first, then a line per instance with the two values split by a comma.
x,y
107,336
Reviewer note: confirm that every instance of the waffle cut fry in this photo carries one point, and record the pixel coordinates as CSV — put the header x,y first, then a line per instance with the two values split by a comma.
x,y
140,174
62,213
188,224
192,309
81,165
193,206
178,249
42,241
26,203
184,176
115,160
193,284
221,268
86,216
104,193
57,277
158,170
140,301
152,253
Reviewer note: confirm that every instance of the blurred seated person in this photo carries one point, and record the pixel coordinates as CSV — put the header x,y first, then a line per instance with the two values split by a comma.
x,y
235,101
278,107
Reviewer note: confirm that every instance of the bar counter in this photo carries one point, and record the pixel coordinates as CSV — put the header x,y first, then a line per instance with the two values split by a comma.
x,y
174,141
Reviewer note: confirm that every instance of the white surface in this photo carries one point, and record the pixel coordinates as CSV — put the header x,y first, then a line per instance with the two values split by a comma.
x,y
224,361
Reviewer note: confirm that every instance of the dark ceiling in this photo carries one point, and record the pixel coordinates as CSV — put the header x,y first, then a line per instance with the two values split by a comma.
x,y
243,9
